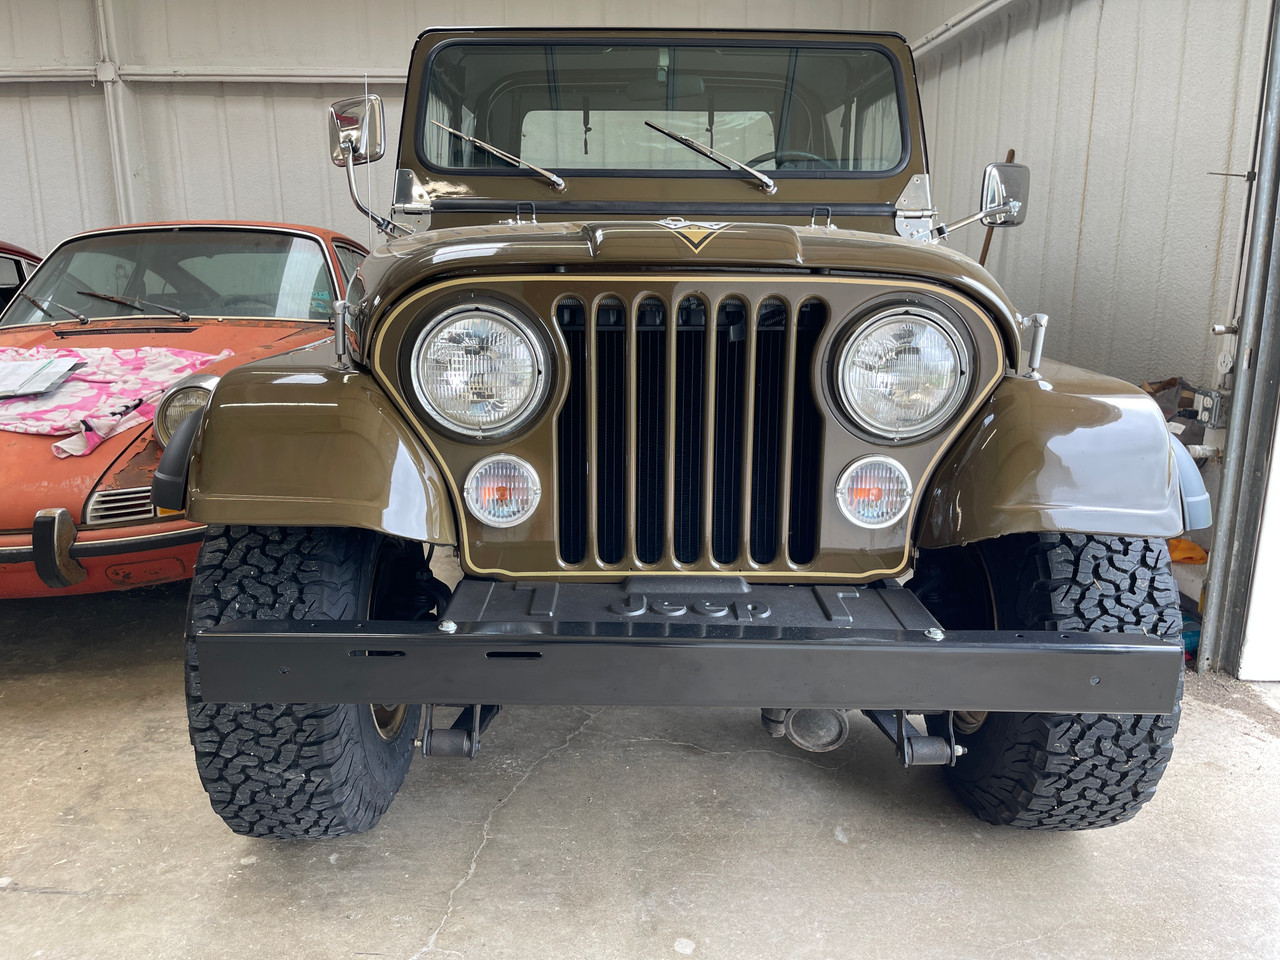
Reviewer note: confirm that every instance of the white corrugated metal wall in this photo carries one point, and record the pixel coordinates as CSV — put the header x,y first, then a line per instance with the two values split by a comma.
x,y
1123,110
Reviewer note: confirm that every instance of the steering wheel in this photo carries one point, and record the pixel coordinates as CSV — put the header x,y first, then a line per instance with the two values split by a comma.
x,y
779,157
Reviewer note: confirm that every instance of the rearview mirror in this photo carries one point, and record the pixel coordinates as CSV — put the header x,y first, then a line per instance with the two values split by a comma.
x,y
661,91
1004,194
355,130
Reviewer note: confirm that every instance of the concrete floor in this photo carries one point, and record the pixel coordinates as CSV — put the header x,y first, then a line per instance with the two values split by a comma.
x,y
594,833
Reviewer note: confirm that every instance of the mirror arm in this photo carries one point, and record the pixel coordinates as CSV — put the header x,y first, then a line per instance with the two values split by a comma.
x,y
942,229
388,227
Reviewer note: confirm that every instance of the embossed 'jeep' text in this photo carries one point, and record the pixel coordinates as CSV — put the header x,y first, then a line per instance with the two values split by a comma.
x,y
634,604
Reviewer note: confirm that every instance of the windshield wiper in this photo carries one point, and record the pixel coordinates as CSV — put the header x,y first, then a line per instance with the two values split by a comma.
x,y
727,162
135,302
556,183
79,316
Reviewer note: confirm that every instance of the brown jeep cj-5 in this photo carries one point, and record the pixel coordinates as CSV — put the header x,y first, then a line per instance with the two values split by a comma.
x,y
664,348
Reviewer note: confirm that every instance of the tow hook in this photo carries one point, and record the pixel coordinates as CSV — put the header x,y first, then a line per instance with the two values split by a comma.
x,y
913,747
462,738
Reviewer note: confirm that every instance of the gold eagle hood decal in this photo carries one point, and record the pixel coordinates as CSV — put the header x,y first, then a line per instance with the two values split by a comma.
x,y
695,234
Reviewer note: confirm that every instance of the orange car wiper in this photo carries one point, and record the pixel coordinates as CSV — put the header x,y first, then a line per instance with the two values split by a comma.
x,y
79,316
136,302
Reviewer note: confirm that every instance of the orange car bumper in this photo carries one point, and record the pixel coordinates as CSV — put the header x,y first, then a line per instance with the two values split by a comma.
x,y
57,558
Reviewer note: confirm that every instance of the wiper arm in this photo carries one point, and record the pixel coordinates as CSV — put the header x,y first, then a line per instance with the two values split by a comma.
x,y
134,302
556,183
727,162
79,316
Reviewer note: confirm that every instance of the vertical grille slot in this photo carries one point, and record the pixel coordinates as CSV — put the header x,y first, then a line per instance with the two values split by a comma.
x,y
651,448
806,438
691,348
767,429
611,429
571,427
688,435
726,498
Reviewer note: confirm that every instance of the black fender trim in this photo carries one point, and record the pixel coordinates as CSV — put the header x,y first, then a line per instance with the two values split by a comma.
x,y
169,483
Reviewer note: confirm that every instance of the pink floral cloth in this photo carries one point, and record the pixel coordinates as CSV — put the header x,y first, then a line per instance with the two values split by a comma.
x,y
113,391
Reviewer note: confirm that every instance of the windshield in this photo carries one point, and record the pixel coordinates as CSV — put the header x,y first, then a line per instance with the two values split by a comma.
x,y
220,273
581,108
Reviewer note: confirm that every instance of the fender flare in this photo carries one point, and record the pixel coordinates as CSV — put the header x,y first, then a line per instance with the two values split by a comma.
x,y
1072,452
291,441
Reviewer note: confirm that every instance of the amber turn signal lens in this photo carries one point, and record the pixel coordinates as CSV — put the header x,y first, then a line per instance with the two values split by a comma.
x,y
874,492
502,490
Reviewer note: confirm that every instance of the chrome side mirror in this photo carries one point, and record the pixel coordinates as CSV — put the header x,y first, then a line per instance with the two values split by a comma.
x,y
1005,187
356,130
355,137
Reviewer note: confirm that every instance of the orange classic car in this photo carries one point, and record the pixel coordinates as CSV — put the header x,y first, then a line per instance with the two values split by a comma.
x,y
132,326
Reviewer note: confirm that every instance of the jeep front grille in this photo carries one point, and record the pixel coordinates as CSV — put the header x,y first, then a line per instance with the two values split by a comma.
x,y
689,442
130,505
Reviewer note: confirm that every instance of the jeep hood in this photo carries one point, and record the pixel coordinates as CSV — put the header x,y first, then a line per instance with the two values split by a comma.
x,y
405,264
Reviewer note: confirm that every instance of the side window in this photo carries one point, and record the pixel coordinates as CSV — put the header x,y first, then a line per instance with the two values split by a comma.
x,y
10,280
349,259
153,283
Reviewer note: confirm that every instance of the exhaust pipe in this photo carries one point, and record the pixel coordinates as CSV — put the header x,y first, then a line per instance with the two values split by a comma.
x,y
816,730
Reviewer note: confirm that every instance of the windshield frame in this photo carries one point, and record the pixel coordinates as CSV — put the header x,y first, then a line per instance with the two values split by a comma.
x,y
339,286
625,38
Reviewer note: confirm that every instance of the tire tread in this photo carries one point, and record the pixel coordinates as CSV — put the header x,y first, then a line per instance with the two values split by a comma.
x,y
283,770
1075,771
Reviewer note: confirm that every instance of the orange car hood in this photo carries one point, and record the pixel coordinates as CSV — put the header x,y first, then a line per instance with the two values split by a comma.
x,y
32,478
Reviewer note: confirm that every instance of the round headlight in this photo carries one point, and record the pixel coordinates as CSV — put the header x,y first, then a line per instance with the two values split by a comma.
x,y
874,492
502,490
479,369
184,398
902,373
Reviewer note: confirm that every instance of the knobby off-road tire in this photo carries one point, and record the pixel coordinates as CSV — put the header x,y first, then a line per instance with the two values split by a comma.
x,y
292,769
1057,771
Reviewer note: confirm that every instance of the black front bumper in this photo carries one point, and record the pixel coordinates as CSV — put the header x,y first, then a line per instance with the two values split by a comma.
x,y
687,642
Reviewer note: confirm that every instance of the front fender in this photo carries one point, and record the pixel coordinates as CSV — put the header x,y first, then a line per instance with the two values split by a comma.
x,y
1074,452
291,441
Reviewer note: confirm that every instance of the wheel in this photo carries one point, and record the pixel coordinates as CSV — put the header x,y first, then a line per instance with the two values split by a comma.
x,y
293,769
779,157
1056,771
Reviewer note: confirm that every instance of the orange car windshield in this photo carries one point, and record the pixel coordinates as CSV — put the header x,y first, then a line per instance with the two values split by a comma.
x,y
200,272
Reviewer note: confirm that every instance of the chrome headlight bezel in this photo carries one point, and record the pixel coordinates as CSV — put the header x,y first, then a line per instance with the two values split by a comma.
x,y
945,412
202,382
523,413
